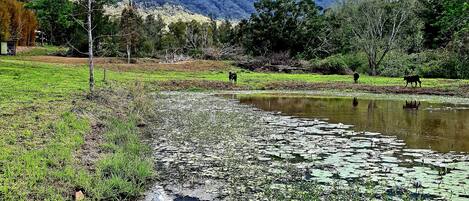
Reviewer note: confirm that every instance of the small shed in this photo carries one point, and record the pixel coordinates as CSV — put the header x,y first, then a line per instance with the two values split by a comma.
x,y
8,48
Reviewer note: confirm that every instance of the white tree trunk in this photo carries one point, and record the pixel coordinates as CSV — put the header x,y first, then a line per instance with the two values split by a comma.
x,y
90,47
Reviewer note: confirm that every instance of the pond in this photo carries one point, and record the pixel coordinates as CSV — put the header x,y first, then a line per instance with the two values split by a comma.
x,y
247,146
422,125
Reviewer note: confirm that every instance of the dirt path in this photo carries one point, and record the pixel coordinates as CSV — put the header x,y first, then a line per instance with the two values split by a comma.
x,y
142,64
461,91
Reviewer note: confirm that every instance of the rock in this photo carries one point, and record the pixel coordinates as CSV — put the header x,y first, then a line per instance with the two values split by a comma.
x,y
79,196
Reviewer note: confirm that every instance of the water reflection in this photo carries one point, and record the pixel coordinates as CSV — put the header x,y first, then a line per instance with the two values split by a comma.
x,y
411,105
355,102
420,124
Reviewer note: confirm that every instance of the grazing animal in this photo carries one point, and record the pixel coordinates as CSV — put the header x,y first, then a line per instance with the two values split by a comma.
x,y
233,77
412,105
413,79
356,76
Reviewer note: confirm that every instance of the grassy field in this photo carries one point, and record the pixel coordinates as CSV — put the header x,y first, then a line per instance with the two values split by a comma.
x,y
55,142
211,71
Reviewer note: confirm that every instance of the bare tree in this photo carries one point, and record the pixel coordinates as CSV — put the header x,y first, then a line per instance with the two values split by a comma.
x,y
83,16
377,26
90,45
88,27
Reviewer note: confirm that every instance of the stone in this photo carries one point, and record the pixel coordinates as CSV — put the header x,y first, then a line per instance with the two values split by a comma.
x,y
79,196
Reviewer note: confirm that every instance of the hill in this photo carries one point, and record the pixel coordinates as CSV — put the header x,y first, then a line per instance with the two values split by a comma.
x,y
226,9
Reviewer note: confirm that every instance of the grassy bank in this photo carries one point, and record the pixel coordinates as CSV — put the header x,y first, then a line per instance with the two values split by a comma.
x,y
55,142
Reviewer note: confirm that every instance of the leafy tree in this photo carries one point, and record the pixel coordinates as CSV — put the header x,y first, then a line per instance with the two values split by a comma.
x,y
154,31
282,26
176,37
225,32
54,19
131,30
379,26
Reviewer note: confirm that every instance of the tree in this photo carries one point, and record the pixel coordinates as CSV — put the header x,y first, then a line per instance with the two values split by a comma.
x,y
54,19
443,19
225,32
378,26
177,34
131,32
154,31
17,22
282,26
90,28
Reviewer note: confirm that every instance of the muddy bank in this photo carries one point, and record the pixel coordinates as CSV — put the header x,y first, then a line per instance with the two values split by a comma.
x,y
461,91
212,148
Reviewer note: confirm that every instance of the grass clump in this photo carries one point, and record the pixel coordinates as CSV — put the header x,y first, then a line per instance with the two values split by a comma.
x,y
124,172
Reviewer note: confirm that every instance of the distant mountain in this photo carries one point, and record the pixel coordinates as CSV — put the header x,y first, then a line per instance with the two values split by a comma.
x,y
227,9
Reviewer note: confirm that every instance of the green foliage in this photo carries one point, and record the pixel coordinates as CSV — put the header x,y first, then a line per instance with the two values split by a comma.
x,y
281,26
131,30
105,30
335,64
443,20
54,19
429,64
177,32
154,31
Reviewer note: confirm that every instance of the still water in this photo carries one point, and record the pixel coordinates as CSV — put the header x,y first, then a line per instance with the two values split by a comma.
x,y
422,125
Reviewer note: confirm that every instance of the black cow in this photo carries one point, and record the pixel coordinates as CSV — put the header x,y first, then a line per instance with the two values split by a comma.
x,y
356,76
233,77
413,79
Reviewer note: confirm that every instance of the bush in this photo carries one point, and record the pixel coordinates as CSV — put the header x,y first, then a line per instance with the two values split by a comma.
x,y
436,64
196,53
397,64
428,64
357,62
335,64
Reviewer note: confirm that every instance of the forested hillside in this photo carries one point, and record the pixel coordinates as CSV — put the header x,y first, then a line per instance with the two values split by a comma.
x,y
227,9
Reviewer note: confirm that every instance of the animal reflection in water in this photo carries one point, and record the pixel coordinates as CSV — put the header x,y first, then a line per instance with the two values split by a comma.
x,y
355,102
411,105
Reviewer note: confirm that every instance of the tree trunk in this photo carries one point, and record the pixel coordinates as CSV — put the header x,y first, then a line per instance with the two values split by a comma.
x,y
128,53
90,48
372,65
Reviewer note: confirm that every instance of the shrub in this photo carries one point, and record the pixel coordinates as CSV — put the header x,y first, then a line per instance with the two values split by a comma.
x,y
436,64
357,62
334,64
397,64
428,64
196,53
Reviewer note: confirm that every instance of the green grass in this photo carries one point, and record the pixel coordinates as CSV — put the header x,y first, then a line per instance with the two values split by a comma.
x,y
42,133
63,78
